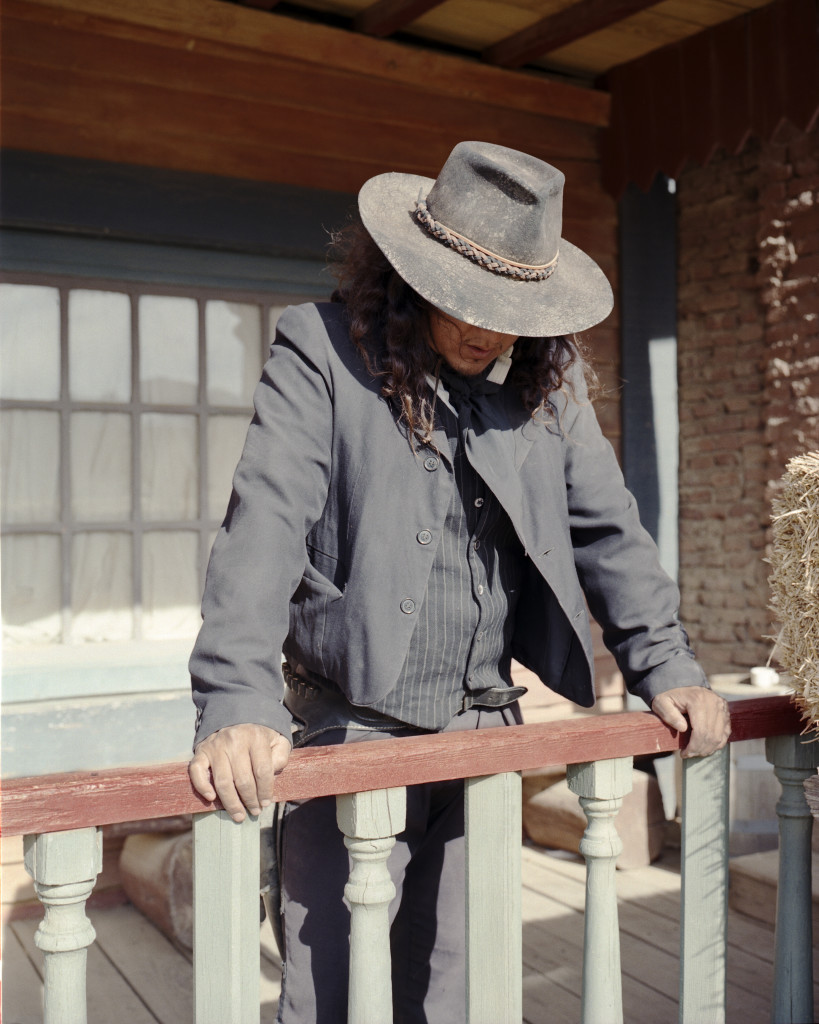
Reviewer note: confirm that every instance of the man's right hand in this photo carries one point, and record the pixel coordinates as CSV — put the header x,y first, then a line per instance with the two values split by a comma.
x,y
242,760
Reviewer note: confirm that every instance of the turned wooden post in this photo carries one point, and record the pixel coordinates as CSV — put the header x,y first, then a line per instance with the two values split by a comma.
x,y
704,892
64,867
226,955
794,760
370,823
494,937
601,786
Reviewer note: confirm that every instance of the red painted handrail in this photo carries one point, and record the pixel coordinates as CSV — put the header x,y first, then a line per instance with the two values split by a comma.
x,y
53,803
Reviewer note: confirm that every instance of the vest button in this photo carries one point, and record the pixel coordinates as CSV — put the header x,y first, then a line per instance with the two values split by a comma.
x,y
408,606
431,463
424,537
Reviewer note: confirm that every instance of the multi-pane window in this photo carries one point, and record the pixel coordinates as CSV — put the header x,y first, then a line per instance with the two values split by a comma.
x,y
123,413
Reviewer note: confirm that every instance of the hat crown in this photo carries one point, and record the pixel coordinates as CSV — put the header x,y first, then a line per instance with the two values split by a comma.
x,y
505,201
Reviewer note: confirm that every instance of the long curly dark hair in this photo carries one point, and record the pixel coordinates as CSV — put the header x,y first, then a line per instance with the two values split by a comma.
x,y
389,324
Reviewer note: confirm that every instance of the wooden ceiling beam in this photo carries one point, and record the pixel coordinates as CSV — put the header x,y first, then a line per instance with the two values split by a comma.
x,y
387,16
375,59
556,30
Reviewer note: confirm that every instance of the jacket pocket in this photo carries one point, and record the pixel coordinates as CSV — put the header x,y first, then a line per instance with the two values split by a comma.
x,y
324,571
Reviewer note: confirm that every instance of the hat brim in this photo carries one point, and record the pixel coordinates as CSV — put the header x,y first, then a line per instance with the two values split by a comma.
x,y
575,297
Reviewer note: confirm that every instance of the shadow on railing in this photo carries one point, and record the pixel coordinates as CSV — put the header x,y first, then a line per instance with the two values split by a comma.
x,y
60,816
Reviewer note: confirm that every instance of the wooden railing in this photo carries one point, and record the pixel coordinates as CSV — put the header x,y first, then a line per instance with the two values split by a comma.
x,y
60,817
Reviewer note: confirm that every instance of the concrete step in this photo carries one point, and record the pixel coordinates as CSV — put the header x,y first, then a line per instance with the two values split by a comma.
x,y
753,885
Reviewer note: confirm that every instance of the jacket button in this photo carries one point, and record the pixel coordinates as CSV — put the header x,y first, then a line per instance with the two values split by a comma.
x,y
408,606
424,537
431,463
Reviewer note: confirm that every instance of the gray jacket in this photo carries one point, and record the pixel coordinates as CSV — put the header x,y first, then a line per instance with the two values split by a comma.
x,y
319,552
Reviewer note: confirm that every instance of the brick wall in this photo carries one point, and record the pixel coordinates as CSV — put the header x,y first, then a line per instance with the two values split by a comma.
x,y
748,377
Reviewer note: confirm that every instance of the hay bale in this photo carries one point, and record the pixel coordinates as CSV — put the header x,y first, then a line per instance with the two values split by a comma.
x,y
795,580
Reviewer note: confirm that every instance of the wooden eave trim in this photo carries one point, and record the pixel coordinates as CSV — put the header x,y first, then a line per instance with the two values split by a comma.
x,y
556,30
287,38
387,16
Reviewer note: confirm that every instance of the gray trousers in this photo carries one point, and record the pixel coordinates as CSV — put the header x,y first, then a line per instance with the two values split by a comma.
x,y
427,868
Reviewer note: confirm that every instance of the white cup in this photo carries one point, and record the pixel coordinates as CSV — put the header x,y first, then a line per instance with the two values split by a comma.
x,y
764,677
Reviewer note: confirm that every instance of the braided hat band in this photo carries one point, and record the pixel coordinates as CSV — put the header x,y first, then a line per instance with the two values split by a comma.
x,y
477,254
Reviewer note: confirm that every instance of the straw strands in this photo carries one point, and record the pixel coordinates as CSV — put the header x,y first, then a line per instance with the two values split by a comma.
x,y
795,580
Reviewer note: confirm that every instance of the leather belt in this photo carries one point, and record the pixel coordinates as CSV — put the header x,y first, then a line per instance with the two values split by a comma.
x,y
494,697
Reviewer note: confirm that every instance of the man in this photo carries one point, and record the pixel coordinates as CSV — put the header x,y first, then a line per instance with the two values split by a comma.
x,y
424,495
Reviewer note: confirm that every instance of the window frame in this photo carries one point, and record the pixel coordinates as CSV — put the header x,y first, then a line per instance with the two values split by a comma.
x,y
66,528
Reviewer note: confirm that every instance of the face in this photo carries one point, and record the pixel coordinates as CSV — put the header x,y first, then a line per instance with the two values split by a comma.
x,y
467,349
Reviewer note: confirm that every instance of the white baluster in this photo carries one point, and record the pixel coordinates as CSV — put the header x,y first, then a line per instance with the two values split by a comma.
x,y
794,760
494,956
64,867
601,786
704,895
370,823
226,956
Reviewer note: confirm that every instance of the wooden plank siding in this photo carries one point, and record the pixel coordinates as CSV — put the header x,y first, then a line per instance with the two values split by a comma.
x,y
715,89
85,85
319,45
78,84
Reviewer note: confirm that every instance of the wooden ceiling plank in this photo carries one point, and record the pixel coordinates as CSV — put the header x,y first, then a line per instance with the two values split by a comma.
x,y
387,16
561,29
376,59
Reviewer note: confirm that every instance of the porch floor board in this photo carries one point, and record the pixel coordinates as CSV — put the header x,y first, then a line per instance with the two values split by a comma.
x,y
136,975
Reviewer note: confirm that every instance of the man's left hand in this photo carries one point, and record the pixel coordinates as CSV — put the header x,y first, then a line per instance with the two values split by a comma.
x,y
698,710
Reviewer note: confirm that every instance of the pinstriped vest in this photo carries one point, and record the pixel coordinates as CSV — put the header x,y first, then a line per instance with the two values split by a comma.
x,y
461,643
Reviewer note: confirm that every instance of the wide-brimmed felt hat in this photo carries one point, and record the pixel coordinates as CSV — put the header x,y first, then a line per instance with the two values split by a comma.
x,y
482,242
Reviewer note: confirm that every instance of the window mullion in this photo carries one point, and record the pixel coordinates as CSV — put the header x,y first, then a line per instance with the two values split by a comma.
x,y
66,532
202,414
136,469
